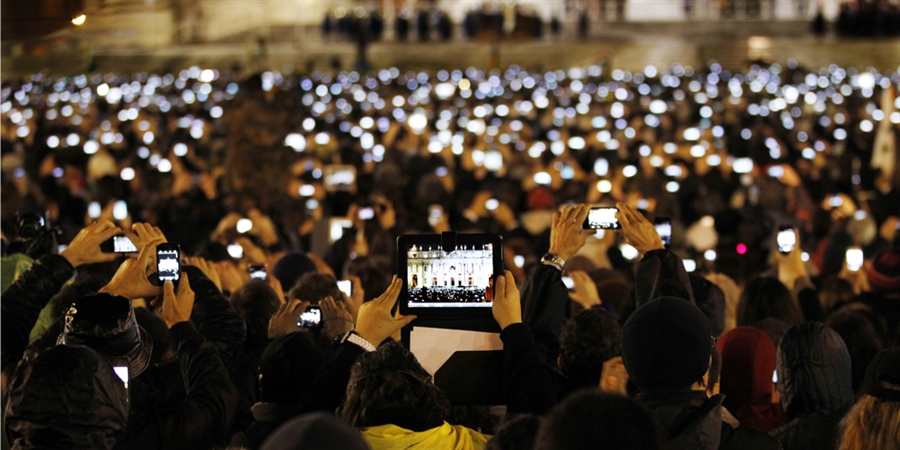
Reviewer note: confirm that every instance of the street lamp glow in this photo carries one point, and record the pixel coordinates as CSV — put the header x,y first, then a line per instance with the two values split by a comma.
x,y
79,21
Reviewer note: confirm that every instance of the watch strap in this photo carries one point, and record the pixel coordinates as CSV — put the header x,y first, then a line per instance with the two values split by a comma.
x,y
357,340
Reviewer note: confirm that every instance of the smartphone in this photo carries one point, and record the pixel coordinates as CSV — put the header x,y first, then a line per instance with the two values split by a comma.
x,y
257,273
786,239
663,226
854,258
118,244
570,284
168,263
602,219
122,372
346,286
366,213
311,318
339,177
336,227
435,213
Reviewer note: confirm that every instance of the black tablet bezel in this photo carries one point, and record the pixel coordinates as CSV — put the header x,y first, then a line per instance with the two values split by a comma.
x,y
406,241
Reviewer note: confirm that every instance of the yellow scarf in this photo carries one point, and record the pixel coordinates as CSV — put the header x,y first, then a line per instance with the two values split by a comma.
x,y
444,437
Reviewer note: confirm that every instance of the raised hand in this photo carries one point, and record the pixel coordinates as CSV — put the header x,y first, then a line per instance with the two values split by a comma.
x,y
177,307
375,322
637,230
566,234
507,308
85,248
358,298
337,317
585,293
207,268
284,322
130,280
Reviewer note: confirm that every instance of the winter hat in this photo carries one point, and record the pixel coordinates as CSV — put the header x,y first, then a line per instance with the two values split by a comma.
x,y
884,273
666,345
106,323
540,198
883,376
288,365
291,267
66,397
318,431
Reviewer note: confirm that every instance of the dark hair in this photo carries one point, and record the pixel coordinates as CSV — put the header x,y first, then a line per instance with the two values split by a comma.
x,y
256,302
69,293
517,433
766,297
861,339
387,382
156,327
834,293
592,419
373,271
313,287
588,339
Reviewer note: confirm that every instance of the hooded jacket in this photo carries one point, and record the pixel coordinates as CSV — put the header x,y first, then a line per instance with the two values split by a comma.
x,y
444,437
748,361
689,420
815,383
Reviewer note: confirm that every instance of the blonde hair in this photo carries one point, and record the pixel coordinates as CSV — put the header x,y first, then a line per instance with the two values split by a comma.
x,y
871,424
732,297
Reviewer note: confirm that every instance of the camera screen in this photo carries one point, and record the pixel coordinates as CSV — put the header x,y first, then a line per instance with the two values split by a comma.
x,y
346,286
167,265
121,244
665,232
786,240
461,278
258,273
570,284
339,177
854,259
312,317
366,213
602,219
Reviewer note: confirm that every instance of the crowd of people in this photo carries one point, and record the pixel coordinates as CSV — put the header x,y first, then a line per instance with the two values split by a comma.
x,y
868,18
717,340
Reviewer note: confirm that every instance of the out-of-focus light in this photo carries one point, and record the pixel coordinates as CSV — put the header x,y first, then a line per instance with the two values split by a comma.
x,y
164,166
215,112
207,75
127,174
741,249
543,178
658,107
576,143
604,186
629,171
418,122
295,141
519,261
804,256
53,141
709,255
94,210
629,252
120,210
235,251
672,186
689,265
79,21
713,160
601,167
244,225
691,134
91,147
180,149
307,190
743,165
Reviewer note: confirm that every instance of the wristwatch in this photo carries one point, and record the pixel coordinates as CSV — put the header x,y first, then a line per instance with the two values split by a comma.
x,y
554,260
355,339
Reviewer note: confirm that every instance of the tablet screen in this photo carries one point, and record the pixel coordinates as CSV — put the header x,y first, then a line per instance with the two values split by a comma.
x,y
461,278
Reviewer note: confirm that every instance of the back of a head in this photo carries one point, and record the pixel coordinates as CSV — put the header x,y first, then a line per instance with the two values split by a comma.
x,y
291,267
666,345
516,433
107,324
588,339
748,360
592,420
389,386
884,272
860,337
318,431
814,372
711,300
874,421
766,297
314,287
288,365
256,302
65,397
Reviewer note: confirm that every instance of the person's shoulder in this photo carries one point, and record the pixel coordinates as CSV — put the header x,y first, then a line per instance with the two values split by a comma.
x,y
746,438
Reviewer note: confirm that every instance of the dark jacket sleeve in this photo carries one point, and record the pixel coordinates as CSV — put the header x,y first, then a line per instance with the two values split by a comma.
x,y
327,391
545,301
214,317
23,301
529,386
201,420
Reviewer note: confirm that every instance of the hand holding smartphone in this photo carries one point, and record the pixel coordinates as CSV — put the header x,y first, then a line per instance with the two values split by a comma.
x,y
257,273
663,226
311,318
118,244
